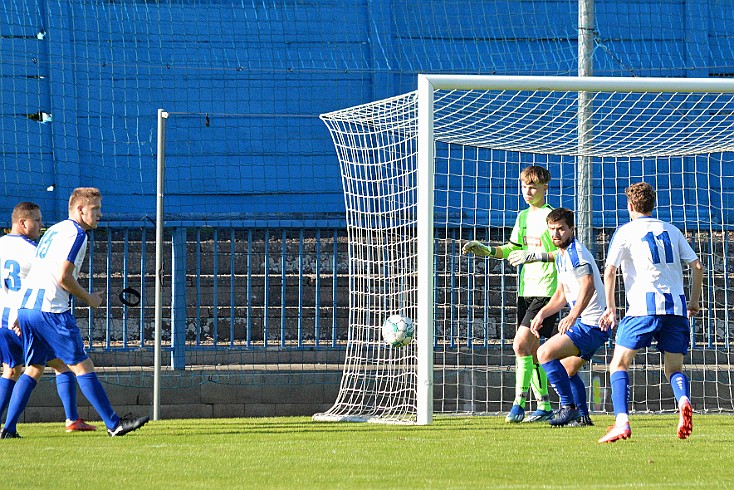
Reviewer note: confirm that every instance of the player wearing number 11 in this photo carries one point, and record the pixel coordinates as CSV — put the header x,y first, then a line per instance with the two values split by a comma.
x,y
650,253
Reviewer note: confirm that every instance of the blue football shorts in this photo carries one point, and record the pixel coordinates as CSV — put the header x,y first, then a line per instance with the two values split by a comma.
x,y
587,338
11,348
672,332
48,336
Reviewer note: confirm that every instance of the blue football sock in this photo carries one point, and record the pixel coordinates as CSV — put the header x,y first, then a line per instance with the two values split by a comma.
x,y
18,401
66,388
94,392
620,382
6,389
558,379
680,385
579,394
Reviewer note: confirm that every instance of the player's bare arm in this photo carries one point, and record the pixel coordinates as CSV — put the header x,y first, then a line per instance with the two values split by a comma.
x,y
70,284
609,317
694,305
586,292
16,328
554,305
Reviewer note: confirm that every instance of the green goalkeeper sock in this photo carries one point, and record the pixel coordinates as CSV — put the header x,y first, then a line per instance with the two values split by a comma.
x,y
522,378
539,383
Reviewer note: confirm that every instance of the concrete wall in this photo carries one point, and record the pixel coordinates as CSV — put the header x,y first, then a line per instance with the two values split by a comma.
x,y
288,390
257,393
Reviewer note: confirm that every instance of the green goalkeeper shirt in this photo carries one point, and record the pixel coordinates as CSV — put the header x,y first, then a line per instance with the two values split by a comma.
x,y
531,233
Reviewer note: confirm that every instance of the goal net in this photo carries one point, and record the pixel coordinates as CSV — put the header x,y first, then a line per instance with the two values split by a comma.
x,y
426,171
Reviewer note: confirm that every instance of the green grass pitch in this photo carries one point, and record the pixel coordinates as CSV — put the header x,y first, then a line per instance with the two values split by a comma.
x,y
296,453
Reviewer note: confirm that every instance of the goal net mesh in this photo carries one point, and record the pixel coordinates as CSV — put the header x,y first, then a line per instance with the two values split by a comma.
x,y
680,143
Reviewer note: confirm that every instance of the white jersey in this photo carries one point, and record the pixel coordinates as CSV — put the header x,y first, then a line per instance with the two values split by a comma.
x,y
651,253
16,254
567,263
64,241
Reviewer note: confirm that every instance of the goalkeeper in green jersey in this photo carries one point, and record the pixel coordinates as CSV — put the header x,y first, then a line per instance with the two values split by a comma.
x,y
530,249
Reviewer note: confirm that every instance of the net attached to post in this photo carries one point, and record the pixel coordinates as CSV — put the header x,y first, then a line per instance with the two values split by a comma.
x,y
680,142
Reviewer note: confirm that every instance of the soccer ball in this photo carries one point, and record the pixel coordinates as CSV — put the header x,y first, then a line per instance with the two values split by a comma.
x,y
398,331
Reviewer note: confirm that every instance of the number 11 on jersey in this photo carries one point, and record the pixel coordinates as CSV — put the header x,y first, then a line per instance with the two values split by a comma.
x,y
651,241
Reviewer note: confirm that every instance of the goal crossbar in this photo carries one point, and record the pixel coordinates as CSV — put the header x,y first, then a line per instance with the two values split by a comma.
x,y
578,84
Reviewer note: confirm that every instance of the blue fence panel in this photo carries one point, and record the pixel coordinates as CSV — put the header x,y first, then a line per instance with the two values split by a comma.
x,y
222,289
296,279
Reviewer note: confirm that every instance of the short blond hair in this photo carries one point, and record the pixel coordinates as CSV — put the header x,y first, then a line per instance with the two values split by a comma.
x,y
83,195
535,175
23,210
641,196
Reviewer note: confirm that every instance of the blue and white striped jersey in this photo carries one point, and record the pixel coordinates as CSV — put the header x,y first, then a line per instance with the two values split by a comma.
x,y
16,254
567,263
64,241
651,254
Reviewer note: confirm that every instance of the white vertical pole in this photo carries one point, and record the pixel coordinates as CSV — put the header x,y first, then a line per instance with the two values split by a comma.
x,y
586,38
584,162
425,251
160,173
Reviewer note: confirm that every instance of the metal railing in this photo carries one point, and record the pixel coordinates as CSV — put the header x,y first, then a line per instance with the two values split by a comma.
x,y
247,289
228,288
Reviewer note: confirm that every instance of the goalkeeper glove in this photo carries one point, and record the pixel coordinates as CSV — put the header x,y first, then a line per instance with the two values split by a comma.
x,y
478,248
518,257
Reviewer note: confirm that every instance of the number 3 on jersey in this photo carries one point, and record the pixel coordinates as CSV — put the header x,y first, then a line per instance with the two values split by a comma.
x,y
651,241
12,277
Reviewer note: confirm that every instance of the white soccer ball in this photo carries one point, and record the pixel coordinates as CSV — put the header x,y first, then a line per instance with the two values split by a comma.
x,y
398,331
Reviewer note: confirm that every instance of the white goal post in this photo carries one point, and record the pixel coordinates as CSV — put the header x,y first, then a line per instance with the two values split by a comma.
x,y
426,171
